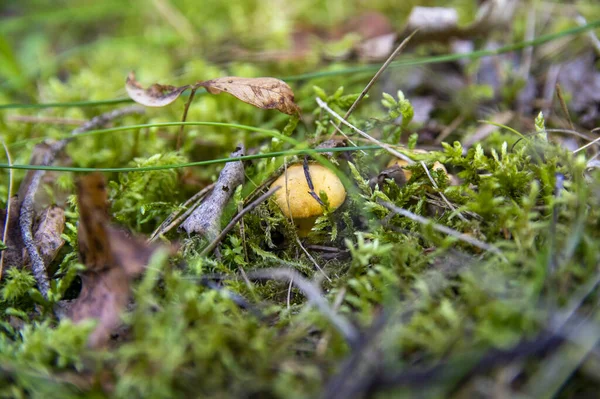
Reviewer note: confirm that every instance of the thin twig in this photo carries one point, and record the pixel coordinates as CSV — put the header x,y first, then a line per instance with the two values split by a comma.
x,y
587,145
385,146
42,119
443,229
314,262
314,295
376,76
180,136
563,105
27,212
236,219
340,131
175,218
8,206
447,131
442,194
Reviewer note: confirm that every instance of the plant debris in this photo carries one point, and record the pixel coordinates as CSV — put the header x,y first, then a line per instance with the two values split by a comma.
x,y
111,258
264,93
457,255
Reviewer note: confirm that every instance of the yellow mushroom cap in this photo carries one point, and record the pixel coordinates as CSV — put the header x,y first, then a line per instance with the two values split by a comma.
x,y
301,203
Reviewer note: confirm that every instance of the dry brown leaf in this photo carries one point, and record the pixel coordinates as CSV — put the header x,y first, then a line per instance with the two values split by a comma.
x,y
47,237
112,258
156,95
265,93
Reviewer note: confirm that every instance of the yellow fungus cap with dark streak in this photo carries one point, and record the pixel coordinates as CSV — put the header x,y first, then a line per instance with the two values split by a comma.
x,y
301,204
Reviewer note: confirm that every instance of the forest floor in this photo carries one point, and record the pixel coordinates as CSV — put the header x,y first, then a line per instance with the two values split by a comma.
x,y
262,199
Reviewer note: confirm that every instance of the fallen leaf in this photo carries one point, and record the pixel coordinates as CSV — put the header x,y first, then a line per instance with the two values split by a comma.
x,y
112,259
156,95
265,93
47,236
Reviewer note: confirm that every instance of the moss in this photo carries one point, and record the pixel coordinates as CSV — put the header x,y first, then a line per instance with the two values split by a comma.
x,y
442,299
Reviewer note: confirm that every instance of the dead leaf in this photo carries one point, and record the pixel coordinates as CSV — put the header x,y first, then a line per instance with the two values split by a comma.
x,y
47,237
112,259
264,93
156,95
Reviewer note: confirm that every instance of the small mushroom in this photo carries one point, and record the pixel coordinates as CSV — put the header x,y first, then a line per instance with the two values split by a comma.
x,y
295,199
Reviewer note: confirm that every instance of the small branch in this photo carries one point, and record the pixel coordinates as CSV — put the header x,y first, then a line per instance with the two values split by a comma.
x,y
176,217
314,295
385,146
180,135
42,119
236,219
376,76
443,229
32,182
563,105
206,219
461,217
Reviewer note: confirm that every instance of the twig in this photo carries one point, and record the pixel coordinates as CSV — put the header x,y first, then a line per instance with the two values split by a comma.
x,y
443,229
563,105
236,219
460,370
376,76
175,218
314,295
32,183
442,194
340,131
206,219
180,136
587,145
385,146
314,262
8,206
42,119
447,131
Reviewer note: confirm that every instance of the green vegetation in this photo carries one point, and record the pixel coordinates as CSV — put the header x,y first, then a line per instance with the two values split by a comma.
x,y
506,303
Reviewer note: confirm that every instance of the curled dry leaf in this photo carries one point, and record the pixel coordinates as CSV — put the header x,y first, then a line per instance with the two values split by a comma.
x,y
264,93
112,258
156,95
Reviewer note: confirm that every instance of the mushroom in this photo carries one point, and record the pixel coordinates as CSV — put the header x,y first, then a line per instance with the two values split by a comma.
x,y
295,199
